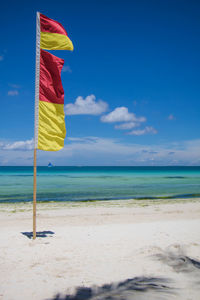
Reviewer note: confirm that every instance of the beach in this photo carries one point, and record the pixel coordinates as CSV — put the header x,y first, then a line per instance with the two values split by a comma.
x,y
154,244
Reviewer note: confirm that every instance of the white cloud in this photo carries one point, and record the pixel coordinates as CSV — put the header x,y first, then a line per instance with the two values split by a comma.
x,y
87,106
18,145
171,117
103,151
13,93
121,114
14,86
125,126
146,130
74,139
106,151
66,69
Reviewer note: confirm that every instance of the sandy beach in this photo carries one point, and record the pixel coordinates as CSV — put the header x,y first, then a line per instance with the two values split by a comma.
x,y
97,247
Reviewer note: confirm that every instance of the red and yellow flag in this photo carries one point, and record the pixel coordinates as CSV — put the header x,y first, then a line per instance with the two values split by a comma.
x,y
51,127
49,94
53,36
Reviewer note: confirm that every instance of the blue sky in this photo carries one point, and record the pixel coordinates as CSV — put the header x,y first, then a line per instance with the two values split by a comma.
x,y
131,84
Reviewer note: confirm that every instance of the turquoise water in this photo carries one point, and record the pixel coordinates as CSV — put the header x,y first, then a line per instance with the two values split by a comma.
x,y
98,183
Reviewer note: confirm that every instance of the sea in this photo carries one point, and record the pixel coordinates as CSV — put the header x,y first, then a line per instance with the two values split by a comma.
x,y
98,183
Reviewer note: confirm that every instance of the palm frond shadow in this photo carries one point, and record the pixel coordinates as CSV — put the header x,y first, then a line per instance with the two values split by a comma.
x,y
130,289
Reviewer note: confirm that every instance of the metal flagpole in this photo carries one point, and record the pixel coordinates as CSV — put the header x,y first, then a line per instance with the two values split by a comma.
x,y
37,85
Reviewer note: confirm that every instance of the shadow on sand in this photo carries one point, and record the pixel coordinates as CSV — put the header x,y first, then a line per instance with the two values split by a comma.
x,y
41,234
179,262
137,288
143,288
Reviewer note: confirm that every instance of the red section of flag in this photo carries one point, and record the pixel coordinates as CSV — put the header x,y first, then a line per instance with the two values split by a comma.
x,y
51,89
49,25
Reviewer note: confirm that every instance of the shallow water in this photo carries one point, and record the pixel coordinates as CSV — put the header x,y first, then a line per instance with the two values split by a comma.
x,y
98,183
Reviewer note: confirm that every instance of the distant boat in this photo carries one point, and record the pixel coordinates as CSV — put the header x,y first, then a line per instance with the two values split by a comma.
x,y
50,165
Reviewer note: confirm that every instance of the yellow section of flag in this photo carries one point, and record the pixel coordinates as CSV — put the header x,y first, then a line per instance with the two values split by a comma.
x,y
51,129
55,41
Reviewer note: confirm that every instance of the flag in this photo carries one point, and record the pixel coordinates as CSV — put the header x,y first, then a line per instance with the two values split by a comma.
x,y
49,94
51,121
53,36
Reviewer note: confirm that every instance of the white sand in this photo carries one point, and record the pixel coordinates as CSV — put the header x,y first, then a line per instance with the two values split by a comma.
x,y
98,243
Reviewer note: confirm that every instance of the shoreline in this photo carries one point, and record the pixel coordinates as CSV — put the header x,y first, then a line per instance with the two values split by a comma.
x,y
49,205
181,197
